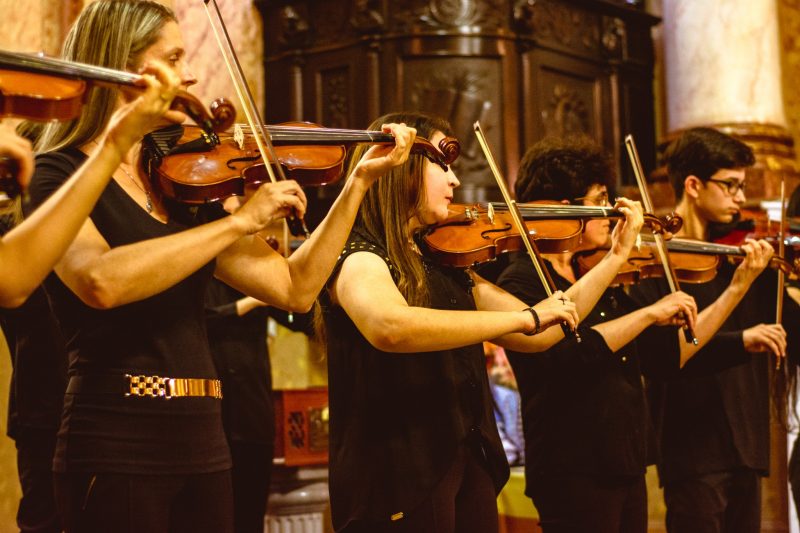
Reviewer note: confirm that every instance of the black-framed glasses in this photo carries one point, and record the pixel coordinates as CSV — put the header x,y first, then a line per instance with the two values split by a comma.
x,y
731,186
600,199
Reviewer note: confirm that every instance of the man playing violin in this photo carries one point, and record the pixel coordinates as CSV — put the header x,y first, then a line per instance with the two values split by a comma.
x,y
129,292
713,428
584,411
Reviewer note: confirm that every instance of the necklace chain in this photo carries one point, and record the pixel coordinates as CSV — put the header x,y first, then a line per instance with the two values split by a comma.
x,y
148,201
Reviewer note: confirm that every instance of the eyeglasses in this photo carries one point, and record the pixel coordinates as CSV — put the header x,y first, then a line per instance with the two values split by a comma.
x,y
731,186
600,199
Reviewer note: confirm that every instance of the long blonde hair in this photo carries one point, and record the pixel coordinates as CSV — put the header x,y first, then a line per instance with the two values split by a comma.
x,y
396,197
112,34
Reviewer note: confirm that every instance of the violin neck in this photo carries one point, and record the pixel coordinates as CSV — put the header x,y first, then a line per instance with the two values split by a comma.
x,y
697,247
560,211
60,67
322,136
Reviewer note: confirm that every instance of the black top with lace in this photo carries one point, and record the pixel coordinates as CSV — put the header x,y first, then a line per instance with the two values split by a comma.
x,y
396,420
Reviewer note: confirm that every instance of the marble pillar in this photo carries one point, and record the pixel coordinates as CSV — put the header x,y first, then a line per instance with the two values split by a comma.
x,y
722,66
722,62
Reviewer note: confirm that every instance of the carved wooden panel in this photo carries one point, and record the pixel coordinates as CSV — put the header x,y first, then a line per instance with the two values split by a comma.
x,y
565,96
524,68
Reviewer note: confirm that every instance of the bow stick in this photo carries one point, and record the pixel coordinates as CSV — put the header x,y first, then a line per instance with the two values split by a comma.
x,y
260,133
669,273
516,217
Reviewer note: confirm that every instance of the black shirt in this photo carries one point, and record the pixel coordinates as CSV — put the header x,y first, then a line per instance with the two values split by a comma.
x,y
397,420
39,361
717,421
239,348
584,409
161,335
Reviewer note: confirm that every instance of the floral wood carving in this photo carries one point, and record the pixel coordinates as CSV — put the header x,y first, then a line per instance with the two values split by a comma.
x,y
556,22
367,16
449,14
565,113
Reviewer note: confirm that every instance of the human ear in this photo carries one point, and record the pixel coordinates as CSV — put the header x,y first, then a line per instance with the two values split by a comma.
x,y
691,186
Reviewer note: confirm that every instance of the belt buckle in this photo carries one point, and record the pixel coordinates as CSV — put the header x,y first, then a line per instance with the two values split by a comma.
x,y
150,386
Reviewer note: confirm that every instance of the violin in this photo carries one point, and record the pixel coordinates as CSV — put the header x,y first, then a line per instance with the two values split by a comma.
x,y
692,261
41,88
478,233
307,153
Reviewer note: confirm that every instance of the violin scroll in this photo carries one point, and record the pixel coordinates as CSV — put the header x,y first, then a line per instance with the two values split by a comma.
x,y
220,117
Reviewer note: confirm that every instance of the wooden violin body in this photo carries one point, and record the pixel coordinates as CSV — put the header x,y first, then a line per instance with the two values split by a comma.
x,y
40,88
479,233
307,153
693,261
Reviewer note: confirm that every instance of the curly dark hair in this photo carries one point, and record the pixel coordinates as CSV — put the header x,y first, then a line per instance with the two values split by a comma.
x,y
562,169
702,152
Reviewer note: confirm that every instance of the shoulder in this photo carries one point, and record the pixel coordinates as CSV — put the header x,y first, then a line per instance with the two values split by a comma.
x,y
51,171
372,251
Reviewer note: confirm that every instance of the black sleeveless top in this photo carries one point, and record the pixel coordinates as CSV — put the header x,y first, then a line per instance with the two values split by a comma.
x,y
397,420
162,335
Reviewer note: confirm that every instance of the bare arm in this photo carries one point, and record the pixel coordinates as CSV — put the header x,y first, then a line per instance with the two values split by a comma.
x,y
669,310
391,325
30,251
712,317
294,284
591,286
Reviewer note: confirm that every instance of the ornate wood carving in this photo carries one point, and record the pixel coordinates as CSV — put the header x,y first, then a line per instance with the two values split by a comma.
x,y
448,14
334,97
367,16
565,114
524,68
559,23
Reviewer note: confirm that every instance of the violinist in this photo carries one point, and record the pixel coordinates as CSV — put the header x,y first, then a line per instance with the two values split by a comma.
x,y
28,253
713,429
141,446
584,413
413,442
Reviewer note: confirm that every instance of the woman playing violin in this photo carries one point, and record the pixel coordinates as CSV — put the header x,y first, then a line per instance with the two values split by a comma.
x,y
414,446
584,412
714,446
129,295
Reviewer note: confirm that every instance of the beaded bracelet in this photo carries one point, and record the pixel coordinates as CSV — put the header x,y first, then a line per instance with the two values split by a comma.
x,y
535,321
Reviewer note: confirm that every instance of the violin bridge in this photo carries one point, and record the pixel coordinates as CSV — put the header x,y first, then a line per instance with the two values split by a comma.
x,y
490,213
238,135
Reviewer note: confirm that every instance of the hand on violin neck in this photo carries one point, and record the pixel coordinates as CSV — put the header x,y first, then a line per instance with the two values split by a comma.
x,y
149,111
758,254
270,203
770,338
626,232
380,159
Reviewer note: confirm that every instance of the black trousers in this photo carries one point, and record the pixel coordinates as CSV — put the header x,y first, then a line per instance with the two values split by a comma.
x,y
37,509
125,503
723,502
252,471
578,504
463,502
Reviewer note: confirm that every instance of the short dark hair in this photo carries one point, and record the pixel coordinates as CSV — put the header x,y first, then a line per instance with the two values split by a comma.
x,y
562,169
702,152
